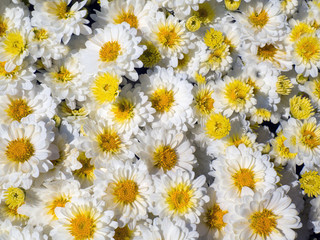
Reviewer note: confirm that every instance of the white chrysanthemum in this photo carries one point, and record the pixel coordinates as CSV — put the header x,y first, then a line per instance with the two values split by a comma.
x,y
61,17
179,196
262,21
83,218
234,95
312,88
171,97
266,215
130,110
313,12
67,80
36,102
164,228
164,150
52,195
170,37
289,7
242,171
126,189
314,215
136,13
303,138
24,148
103,143
21,77
113,48
181,8
306,55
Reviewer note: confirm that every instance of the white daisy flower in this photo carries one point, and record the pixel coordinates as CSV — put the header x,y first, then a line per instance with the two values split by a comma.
x,y
61,17
170,37
266,215
164,150
179,196
171,97
130,110
241,171
67,80
126,189
115,47
83,218
289,7
36,103
103,143
312,88
21,77
24,148
164,228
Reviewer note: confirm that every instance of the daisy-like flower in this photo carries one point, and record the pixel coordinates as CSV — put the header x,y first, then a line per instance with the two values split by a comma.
x,y
303,138
301,107
309,182
165,150
181,8
24,148
179,196
306,55
67,80
262,21
170,95
130,110
241,171
126,189
234,95
312,88
103,143
83,218
289,7
266,215
136,13
164,228
170,37
62,18
115,47
36,103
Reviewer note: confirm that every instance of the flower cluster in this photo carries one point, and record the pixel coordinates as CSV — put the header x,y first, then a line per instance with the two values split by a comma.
x,y
159,119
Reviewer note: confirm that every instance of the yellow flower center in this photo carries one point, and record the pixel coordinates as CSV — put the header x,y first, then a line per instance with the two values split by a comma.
x,y
244,177
281,149
301,107
125,191
300,29
204,101
40,34
214,217
14,43
14,197
165,157
82,226
217,126
200,79
59,201
168,35
259,19
151,56
18,109
6,74
183,62
205,13
122,110
63,75
263,222
236,140
264,114
86,171
162,100
267,52
123,233
20,150
3,27
308,48
193,23
232,5
213,38
310,183
109,51
179,198
59,9
310,135
284,85
106,87
109,141
237,92
128,17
